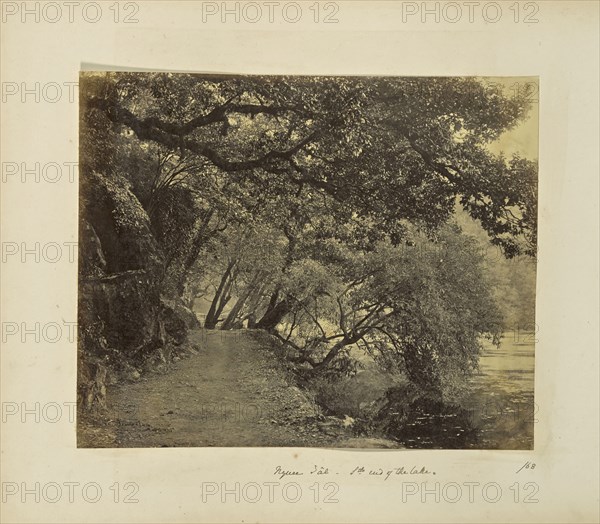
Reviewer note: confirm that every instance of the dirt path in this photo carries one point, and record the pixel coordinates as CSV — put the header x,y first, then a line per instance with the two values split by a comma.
x,y
232,393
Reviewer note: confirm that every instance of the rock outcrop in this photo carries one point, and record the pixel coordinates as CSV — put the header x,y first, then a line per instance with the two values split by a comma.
x,y
122,316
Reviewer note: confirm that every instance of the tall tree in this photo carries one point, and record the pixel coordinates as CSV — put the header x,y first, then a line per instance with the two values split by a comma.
x,y
388,148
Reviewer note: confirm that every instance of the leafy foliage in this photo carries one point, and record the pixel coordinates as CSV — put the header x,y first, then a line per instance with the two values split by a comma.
x,y
324,206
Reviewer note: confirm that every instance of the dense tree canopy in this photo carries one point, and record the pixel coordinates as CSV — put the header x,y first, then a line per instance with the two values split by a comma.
x,y
320,208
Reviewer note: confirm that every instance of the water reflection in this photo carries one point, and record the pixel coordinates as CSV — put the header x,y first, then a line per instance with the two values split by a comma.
x,y
430,423
497,413
502,396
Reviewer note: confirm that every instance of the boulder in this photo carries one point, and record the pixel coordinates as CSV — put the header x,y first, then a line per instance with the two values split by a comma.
x,y
119,266
177,320
119,275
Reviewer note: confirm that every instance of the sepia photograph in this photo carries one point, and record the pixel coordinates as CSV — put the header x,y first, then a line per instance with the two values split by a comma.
x,y
307,261
299,262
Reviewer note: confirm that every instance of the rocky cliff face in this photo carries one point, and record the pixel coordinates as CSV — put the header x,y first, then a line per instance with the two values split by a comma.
x,y
122,317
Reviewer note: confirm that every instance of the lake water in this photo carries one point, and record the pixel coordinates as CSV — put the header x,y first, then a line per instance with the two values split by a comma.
x,y
497,413
502,399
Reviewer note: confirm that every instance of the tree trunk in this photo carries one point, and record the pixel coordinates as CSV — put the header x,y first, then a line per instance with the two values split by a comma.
x,y
230,320
210,321
253,304
335,350
235,310
225,297
274,315
202,236
273,301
